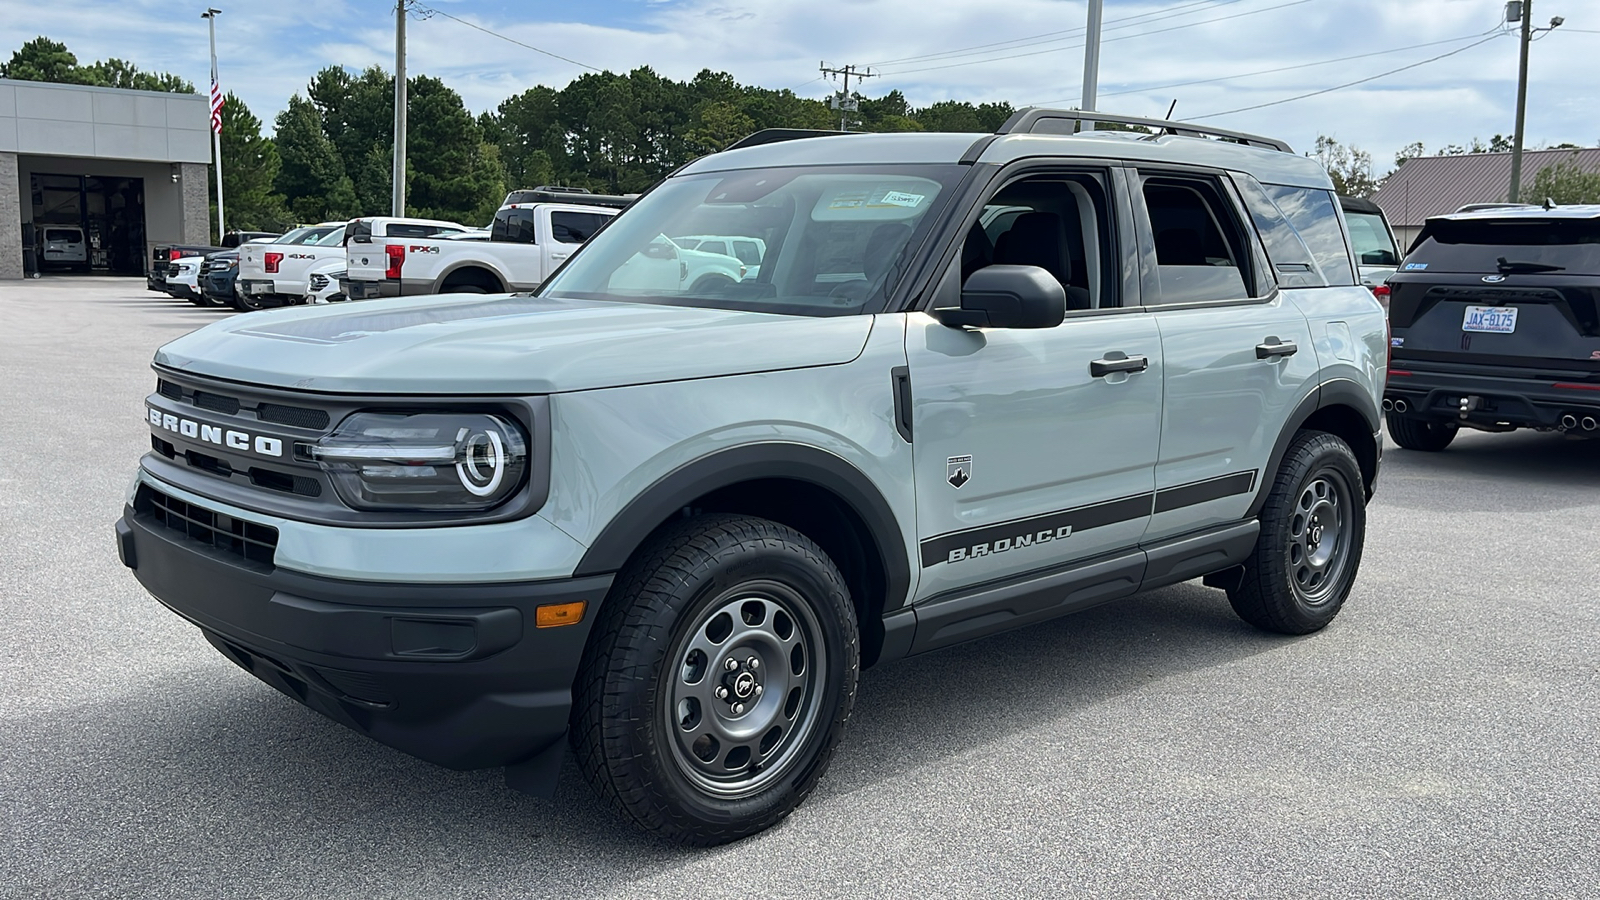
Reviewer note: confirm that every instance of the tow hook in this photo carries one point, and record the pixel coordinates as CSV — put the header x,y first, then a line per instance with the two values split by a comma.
x,y
1470,404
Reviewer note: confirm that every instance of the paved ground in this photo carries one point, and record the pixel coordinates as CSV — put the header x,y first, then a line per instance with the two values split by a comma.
x,y
1441,738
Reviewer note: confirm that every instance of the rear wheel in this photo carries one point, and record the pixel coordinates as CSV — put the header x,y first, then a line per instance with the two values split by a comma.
x,y
719,680
1420,434
1313,527
247,302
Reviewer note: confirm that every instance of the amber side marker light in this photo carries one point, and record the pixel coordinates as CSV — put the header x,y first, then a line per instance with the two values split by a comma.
x,y
553,615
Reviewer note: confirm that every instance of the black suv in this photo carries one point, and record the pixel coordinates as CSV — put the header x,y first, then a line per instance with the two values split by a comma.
x,y
1494,326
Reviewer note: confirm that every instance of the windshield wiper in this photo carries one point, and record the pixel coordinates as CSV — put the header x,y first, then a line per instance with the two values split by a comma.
x,y
1525,268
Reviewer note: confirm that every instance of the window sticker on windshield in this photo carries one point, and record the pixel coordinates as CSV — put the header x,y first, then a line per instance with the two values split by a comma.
x,y
1415,266
848,200
900,198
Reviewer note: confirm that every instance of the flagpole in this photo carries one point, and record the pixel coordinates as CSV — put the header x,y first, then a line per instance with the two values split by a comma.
x,y
210,15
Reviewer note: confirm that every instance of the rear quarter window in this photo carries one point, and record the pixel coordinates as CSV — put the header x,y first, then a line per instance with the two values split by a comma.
x,y
1315,218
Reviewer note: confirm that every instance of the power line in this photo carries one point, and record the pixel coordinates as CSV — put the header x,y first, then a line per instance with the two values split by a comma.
x,y
439,12
1340,87
1309,65
1050,36
1107,40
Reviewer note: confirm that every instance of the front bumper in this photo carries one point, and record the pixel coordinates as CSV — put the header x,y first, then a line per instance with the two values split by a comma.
x,y
1492,402
454,674
218,286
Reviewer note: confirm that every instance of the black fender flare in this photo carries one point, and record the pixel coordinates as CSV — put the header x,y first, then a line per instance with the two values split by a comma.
x,y
797,462
1335,392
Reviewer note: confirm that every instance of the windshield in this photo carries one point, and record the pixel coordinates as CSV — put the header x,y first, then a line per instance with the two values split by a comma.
x,y
333,238
1478,245
828,241
1371,239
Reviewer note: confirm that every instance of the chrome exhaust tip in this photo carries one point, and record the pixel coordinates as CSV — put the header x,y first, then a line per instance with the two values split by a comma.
x,y
1589,423
1569,421
1400,406
1387,404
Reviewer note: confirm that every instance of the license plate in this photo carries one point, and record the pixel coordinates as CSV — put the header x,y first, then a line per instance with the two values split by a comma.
x,y
1490,319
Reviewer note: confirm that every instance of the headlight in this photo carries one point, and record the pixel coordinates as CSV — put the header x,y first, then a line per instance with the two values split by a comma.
x,y
424,461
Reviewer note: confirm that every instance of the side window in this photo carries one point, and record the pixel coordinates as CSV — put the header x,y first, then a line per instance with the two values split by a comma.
x,y
573,227
1200,246
1288,254
1060,223
1316,219
747,253
714,247
513,226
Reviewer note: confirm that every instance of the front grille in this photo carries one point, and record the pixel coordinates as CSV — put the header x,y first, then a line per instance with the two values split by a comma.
x,y
169,390
253,543
295,416
318,281
217,403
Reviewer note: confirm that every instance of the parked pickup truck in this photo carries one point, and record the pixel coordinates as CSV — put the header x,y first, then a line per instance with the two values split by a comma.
x,y
527,242
161,255
275,274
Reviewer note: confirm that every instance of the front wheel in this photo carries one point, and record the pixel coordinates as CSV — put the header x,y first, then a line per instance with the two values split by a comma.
x,y
1313,527
1420,434
719,680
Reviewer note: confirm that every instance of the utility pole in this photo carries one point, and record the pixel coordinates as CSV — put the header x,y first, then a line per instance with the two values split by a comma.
x,y
210,15
843,101
1091,62
399,200
1523,10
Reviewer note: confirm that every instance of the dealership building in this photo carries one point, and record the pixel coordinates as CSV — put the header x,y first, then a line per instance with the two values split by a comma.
x,y
127,169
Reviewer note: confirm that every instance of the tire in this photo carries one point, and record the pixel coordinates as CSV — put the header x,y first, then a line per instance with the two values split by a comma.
x,y
707,283
1299,575
1420,434
650,732
246,302
462,288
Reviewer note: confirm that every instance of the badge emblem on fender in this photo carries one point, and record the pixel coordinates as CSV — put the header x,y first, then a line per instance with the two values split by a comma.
x,y
958,471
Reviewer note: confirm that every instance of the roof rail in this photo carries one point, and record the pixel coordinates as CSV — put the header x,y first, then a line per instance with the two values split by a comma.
x,y
1034,120
775,135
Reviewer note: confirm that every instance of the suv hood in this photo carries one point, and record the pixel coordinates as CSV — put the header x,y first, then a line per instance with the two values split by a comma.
x,y
512,345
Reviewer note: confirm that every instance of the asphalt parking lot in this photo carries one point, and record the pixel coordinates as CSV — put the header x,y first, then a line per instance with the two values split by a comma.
x,y
1440,739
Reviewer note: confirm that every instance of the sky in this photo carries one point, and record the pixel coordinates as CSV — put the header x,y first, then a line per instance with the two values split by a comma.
x,y
1211,56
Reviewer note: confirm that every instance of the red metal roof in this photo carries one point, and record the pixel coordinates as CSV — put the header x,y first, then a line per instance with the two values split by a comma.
x,y
1435,185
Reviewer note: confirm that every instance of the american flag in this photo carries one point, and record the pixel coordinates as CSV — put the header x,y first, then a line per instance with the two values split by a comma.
x,y
216,103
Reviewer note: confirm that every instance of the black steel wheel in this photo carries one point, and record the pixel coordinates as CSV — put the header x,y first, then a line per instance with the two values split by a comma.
x,y
1413,433
718,681
1313,527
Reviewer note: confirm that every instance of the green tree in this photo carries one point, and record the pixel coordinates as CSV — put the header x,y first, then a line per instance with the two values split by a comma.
x,y
1564,183
42,59
717,124
959,117
312,175
451,174
1409,152
1349,167
249,167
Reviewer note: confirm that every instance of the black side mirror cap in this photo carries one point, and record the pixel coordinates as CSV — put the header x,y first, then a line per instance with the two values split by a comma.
x,y
1007,297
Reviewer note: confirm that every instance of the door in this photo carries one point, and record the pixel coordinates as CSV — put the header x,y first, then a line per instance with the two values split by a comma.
x,y
1238,355
1035,448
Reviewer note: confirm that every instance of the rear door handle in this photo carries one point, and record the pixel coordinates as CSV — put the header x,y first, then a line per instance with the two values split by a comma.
x,y
1117,361
1272,348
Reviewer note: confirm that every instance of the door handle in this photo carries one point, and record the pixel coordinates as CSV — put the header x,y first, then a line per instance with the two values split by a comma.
x,y
1117,361
1272,348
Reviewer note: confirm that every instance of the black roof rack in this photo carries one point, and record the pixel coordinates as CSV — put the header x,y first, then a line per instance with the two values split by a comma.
x,y
554,194
1034,120
776,135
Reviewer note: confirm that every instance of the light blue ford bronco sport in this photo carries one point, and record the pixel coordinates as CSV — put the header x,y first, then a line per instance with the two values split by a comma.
x,y
975,382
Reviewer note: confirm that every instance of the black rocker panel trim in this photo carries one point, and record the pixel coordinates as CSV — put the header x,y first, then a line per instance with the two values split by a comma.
x,y
971,613
794,462
1049,527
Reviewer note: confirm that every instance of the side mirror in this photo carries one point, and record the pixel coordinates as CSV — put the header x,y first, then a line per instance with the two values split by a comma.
x,y
1007,297
1378,258
660,249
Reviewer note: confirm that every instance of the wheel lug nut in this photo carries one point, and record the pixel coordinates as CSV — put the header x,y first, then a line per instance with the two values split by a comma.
x,y
722,692
753,663
758,690
731,664
738,709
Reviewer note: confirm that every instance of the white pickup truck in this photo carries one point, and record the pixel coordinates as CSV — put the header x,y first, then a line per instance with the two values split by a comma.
x,y
528,240
275,275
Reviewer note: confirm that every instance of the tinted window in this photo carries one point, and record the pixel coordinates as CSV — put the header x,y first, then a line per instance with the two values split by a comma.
x,y
1060,223
413,230
513,226
575,227
1199,245
1313,215
838,239
308,235
59,234
1288,255
747,253
713,247
1477,246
